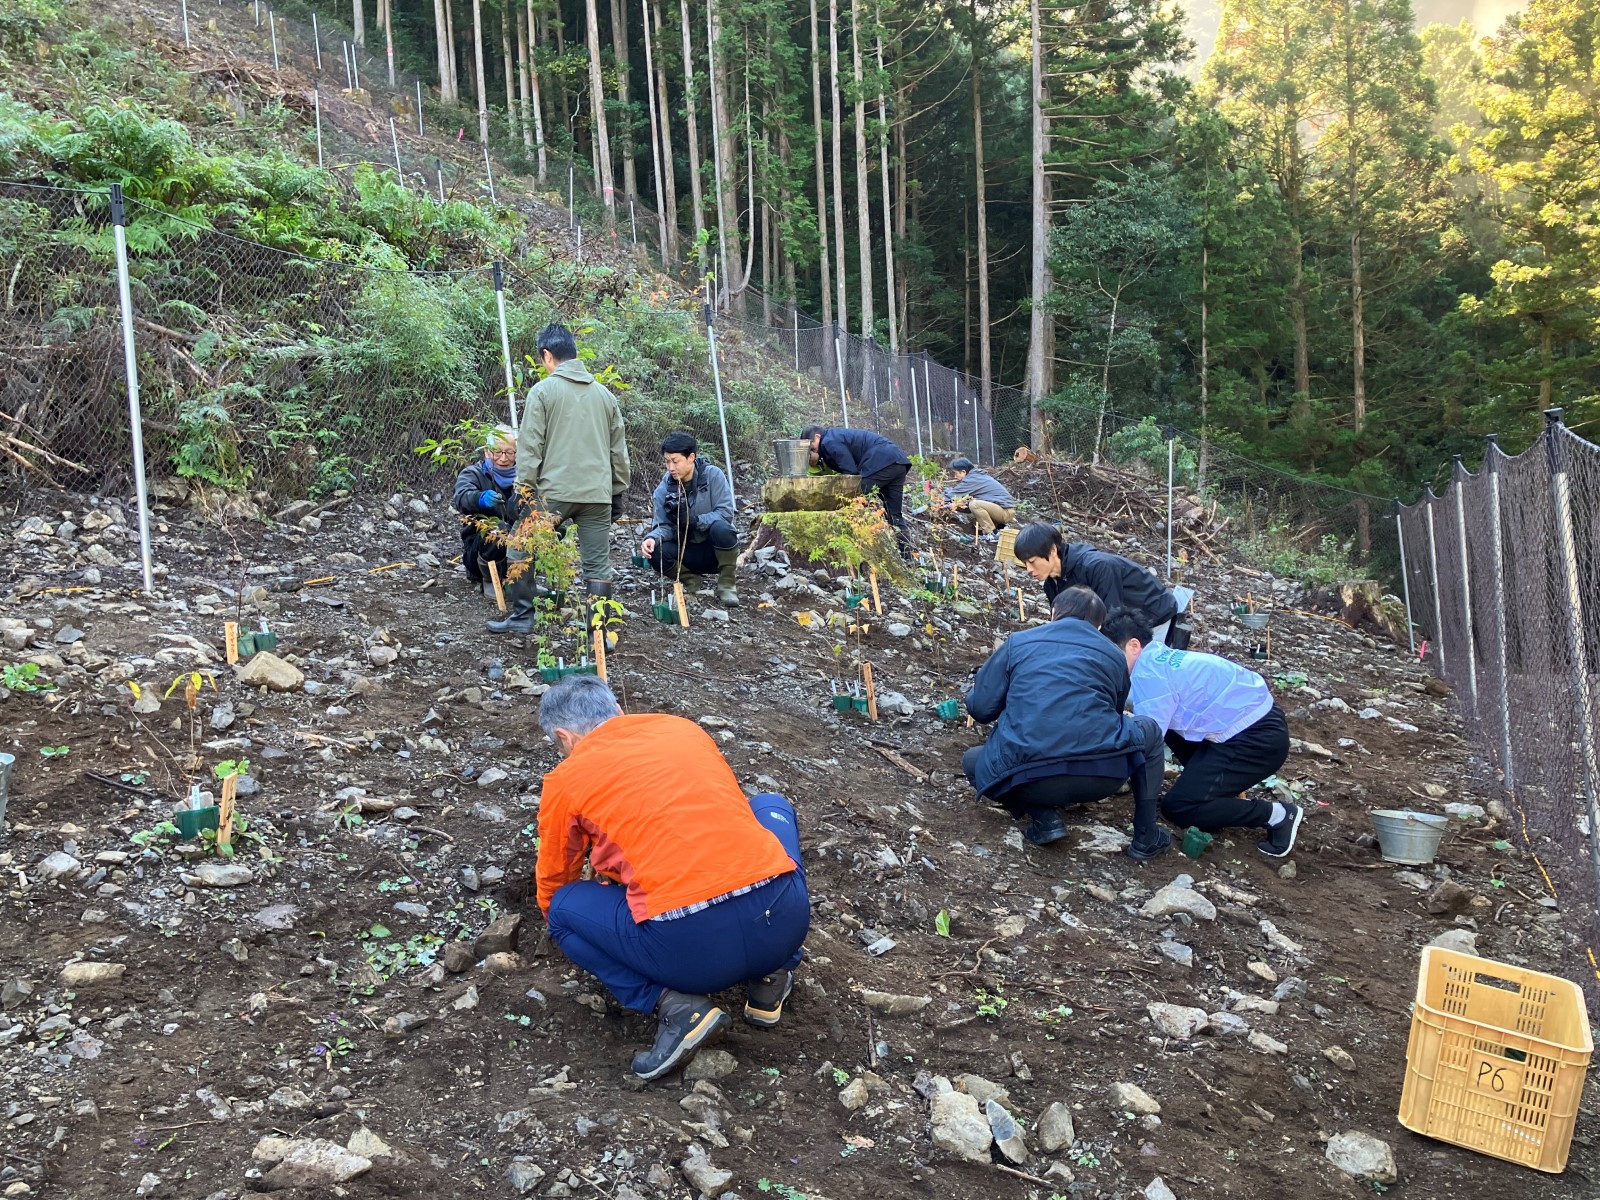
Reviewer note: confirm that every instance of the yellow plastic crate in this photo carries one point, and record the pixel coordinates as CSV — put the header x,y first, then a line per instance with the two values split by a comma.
x,y
1496,1060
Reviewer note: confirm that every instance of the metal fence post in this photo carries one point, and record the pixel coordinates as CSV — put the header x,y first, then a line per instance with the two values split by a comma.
x,y
916,411
977,427
1491,460
419,108
119,219
633,222
927,400
1466,584
183,6
394,140
489,171
505,340
1561,495
572,214
272,27
1433,566
716,382
316,100
1405,577
838,358
344,49
797,340
316,41
1171,434
955,403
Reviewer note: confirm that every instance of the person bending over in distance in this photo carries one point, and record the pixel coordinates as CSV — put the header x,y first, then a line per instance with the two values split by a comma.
x,y
1120,582
696,888
880,463
572,453
980,498
1222,725
693,509
487,488
1079,602
1061,738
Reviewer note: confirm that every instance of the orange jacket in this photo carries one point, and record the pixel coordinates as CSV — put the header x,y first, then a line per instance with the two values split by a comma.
x,y
654,806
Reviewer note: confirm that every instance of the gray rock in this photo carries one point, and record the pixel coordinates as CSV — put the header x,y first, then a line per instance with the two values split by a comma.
x,y
501,936
897,629
369,1145
710,1064
1363,1157
59,865
1177,952
222,716
265,669
1130,1097
214,1104
402,1023
892,1004
982,1090
87,974
277,917
1227,1024
524,1175
1103,839
410,909
381,656
219,875
1462,941
714,614
316,1163
1054,1129
702,1174
854,1094
959,1126
1157,1189
491,777
895,704
1177,1020
1266,1045
15,992
289,1099
1292,988
1339,1057
1174,899
1007,1134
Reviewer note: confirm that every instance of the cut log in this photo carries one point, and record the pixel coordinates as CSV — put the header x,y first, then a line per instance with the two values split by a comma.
x,y
809,493
1362,603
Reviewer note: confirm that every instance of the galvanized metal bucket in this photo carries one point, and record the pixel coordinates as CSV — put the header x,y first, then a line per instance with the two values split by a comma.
x,y
794,456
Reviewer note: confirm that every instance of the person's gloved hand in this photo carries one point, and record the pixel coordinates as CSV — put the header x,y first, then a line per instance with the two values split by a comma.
x,y
616,505
489,500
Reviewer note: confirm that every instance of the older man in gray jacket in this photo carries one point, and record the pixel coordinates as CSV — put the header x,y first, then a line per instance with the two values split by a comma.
x,y
572,453
693,530
979,497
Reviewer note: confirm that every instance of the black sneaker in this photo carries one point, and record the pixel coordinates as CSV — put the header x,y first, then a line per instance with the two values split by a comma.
x,y
1155,847
1046,827
684,1023
764,997
1280,837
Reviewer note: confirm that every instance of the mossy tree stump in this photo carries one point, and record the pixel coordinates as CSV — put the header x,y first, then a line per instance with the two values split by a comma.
x,y
809,493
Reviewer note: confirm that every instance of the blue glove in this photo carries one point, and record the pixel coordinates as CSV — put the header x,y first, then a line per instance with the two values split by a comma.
x,y
488,499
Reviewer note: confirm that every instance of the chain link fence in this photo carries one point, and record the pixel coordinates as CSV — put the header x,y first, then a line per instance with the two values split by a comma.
x,y
1504,577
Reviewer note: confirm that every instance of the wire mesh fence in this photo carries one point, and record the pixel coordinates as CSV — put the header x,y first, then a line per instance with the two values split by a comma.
x,y
1504,576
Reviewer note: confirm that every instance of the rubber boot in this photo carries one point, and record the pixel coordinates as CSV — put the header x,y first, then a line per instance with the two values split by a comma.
x,y
519,613
597,589
726,589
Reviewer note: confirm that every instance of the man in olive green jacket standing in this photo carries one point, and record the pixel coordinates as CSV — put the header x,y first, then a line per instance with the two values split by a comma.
x,y
572,453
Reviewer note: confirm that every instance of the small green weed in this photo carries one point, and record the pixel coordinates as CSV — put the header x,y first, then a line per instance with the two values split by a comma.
x,y
25,677
990,1004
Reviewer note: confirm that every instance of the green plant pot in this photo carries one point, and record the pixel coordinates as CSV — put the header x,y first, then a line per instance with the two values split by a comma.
x,y
591,669
641,561
853,601
949,710
859,703
665,613
1195,841
841,704
191,822
247,645
266,641
550,674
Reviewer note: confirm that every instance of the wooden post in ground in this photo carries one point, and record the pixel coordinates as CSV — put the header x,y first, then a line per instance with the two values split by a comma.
x,y
1022,608
683,605
872,692
599,650
877,600
231,632
494,578
230,788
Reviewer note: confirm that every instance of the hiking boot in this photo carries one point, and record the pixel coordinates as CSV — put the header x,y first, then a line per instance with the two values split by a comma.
x,y
1153,847
764,997
519,614
727,564
1046,827
684,1023
1280,837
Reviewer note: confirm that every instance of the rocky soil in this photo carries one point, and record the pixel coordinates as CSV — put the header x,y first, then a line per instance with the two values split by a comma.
x,y
361,1002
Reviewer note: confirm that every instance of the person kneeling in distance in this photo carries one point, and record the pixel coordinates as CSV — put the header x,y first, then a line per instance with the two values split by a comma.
x,y
1221,722
693,509
696,888
1056,694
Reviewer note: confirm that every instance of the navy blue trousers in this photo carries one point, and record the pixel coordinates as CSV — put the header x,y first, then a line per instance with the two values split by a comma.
x,y
733,942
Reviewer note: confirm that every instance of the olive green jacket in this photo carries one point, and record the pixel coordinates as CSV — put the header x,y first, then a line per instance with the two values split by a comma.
x,y
572,446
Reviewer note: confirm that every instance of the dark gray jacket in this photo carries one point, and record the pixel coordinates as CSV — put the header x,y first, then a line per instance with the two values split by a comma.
x,y
685,512
1119,582
978,485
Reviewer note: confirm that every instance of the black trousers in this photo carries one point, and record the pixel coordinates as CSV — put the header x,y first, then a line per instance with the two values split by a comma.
x,y
699,558
891,485
1214,773
477,554
1069,791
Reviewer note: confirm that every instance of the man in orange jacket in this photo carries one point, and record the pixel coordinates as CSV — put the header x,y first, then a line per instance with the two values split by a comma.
x,y
696,889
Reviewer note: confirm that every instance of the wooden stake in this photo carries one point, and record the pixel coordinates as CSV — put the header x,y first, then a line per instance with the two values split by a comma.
x,y
231,631
230,787
494,578
872,692
1022,608
955,579
599,650
683,605
877,600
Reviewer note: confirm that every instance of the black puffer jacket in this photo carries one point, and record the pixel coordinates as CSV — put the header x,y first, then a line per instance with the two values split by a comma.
x,y
1119,582
473,481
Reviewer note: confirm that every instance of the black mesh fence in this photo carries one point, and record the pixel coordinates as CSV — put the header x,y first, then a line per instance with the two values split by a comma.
x,y
1504,576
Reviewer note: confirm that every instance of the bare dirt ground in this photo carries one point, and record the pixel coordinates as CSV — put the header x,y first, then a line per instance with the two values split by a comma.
x,y
391,817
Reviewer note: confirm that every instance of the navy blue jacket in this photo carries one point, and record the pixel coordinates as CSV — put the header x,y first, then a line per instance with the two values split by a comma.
x,y
1056,693
859,452
1120,582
